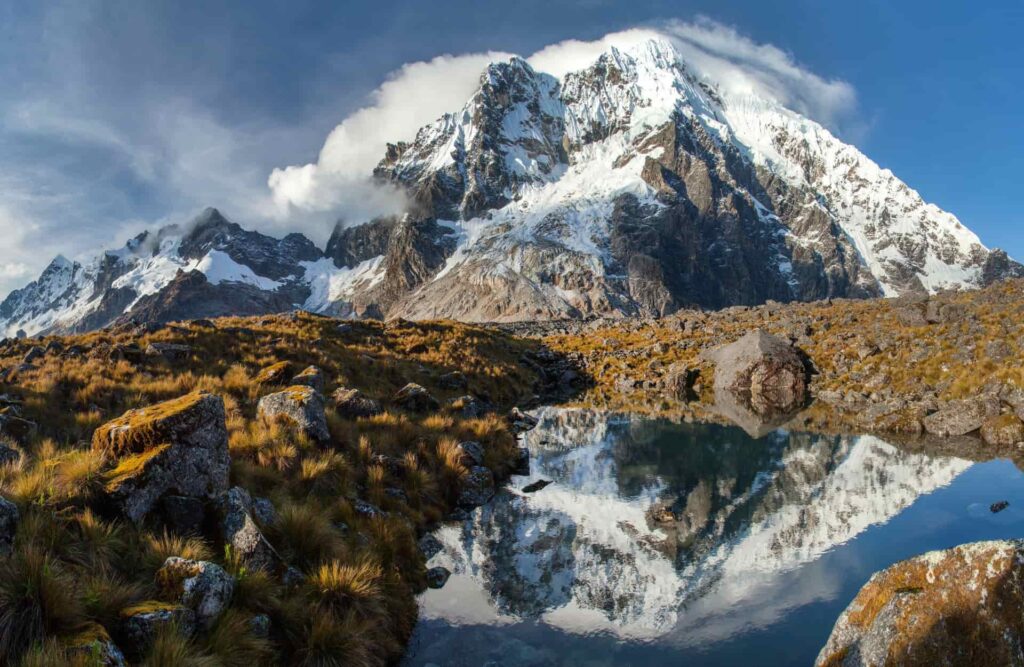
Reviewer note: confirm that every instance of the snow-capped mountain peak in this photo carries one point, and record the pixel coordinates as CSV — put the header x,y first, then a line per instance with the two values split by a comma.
x,y
633,185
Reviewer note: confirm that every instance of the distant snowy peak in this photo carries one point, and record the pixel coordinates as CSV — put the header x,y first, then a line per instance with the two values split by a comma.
x,y
632,186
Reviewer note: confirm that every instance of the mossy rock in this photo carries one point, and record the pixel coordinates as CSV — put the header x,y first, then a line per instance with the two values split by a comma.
x,y
170,421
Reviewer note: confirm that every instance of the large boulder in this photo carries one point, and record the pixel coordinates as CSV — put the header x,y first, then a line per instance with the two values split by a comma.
x,y
239,531
960,417
1003,430
204,587
178,447
9,518
353,404
961,606
415,398
302,406
763,370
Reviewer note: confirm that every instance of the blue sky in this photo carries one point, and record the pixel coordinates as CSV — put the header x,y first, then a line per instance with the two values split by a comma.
x,y
116,116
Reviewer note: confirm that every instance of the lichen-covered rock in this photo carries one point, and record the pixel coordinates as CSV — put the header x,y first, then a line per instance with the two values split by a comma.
x,y
169,351
415,398
1003,430
761,370
437,577
311,376
961,606
9,518
240,532
960,417
141,623
477,487
204,587
353,404
301,405
178,447
95,646
273,374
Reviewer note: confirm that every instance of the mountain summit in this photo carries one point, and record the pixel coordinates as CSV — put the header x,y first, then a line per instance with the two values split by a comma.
x,y
630,187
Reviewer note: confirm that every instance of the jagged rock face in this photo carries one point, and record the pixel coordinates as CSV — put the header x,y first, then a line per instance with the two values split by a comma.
x,y
628,187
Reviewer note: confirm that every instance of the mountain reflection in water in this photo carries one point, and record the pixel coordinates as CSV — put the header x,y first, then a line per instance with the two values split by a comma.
x,y
659,539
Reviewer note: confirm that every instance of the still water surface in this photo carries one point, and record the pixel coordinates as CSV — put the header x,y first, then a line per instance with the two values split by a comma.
x,y
691,544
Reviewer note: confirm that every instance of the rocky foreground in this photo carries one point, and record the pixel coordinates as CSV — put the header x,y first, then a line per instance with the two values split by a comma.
x,y
242,491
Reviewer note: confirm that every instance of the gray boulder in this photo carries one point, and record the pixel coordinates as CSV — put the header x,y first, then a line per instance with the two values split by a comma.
x,y
301,405
178,447
520,422
169,351
762,370
960,417
1003,430
679,380
353,404
240,532
414,398
204,587
470,453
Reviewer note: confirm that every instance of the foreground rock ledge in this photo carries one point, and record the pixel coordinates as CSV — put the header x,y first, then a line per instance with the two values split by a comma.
x,y
962,606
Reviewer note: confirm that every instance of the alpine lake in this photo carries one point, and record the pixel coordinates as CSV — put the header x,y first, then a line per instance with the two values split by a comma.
x,y
664,543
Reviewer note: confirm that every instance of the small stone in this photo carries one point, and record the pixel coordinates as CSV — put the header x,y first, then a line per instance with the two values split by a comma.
x,y
521,422
437,577
998,507
273,374
536,486
9,455
259,626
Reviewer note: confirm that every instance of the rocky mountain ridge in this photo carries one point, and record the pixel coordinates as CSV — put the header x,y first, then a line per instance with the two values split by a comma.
x,y
630,187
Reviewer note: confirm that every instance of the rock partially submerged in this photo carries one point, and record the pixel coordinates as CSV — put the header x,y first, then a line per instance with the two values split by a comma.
x,y
961,606
301,405
477,488
960,417
763,370
178,447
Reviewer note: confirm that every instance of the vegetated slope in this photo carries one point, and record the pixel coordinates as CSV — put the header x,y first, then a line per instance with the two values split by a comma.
x,y
632,186
348,511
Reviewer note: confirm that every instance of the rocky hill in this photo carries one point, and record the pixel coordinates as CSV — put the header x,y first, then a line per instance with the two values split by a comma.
x,y
630,187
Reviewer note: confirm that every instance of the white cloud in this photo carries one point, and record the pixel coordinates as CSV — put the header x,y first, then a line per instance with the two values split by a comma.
x,y
421,92
415,95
